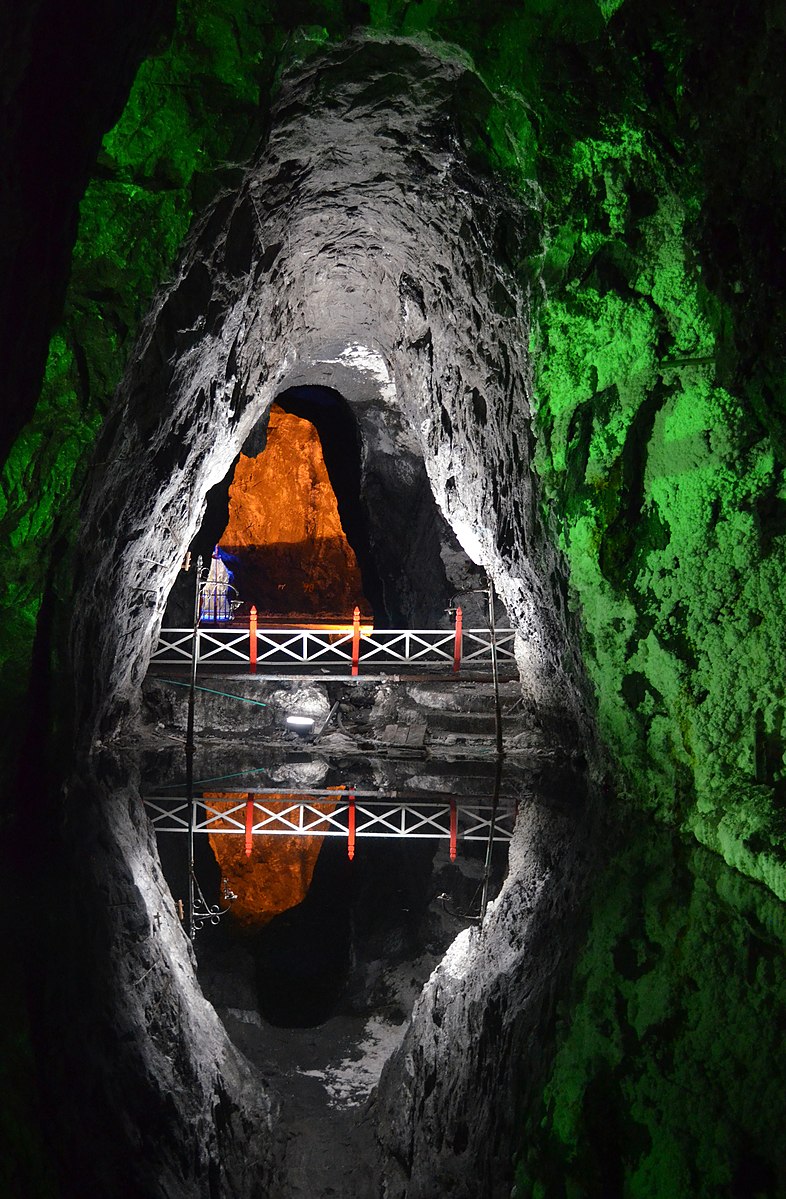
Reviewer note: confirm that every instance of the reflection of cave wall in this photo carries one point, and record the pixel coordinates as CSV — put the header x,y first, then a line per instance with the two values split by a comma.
x,y
275,874
284,540
356,915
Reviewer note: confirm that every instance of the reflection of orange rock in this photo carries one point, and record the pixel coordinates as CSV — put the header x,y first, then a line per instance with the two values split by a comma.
x,y
278,872
285,530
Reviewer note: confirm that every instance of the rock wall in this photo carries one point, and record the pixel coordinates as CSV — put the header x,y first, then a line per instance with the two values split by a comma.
x,y
660,427
668,1074
290,554
275,290
265,300
450,1102
155,1098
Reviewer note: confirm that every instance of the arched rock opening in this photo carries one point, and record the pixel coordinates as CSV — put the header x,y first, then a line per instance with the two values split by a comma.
x,y
321,269
278,526
288,282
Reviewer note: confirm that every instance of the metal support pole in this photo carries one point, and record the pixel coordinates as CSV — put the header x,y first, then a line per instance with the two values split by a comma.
x,y
249,824
355,640
252,640
495,668
189,749
500,754
351,825
490,843
457,643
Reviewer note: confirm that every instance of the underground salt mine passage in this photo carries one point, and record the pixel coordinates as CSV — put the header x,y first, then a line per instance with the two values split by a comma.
x,y
413,372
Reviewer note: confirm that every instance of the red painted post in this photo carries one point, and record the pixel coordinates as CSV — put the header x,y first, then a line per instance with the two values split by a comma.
x,y
252,640
355,642
249,824
457,642
351,823
453,829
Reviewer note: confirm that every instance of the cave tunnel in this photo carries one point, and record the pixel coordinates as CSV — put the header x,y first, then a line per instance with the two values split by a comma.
x,y
308,524
519,269
292,540
279,527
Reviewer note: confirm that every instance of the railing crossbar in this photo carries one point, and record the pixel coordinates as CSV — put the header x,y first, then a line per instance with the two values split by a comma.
x,y
384,646
306,817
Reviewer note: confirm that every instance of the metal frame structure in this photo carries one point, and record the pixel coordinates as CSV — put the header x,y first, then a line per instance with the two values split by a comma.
x,y
317,813
287,647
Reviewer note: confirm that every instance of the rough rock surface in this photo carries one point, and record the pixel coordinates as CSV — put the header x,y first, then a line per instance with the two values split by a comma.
x,y
361,252
415,320
478,1047
160,1102
289,552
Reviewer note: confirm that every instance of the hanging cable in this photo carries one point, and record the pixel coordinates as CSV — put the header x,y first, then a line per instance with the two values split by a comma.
x,y
212,691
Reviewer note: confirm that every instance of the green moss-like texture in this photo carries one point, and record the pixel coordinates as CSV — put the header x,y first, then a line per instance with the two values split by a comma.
x,y
193,111
659,293
667,1080
660,411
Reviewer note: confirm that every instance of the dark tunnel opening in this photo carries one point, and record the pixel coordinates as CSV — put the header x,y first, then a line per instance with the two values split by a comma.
x,y
387,526
317,959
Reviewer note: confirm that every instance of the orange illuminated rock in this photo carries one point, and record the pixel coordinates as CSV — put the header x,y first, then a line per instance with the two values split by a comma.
x,y
277,874
284,530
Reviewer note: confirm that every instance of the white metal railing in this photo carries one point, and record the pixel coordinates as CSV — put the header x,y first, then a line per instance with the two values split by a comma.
x,y
288,647
332,813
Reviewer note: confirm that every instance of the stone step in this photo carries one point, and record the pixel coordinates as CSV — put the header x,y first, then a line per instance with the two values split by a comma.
x,y
462,697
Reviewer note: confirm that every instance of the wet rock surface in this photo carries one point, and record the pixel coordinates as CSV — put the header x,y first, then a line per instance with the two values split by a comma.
x,y
160,1101
478,1044
334,979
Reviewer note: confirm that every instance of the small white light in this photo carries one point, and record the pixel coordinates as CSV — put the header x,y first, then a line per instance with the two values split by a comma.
x,y
301,722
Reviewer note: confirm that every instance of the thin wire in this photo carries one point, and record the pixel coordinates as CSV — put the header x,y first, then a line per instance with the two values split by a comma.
x,y
212,691
218,778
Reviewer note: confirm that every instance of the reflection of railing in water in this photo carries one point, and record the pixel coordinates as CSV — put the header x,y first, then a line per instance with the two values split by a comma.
x,y
350,814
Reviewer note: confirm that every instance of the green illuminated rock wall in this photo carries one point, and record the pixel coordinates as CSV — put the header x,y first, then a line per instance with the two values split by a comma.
x,y
659,310
193,114
660,421
667,1079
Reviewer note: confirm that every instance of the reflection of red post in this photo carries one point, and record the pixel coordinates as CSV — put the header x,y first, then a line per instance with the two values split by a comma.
x,y
351,822
453,829
355,640
252,640
249,824
457,642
